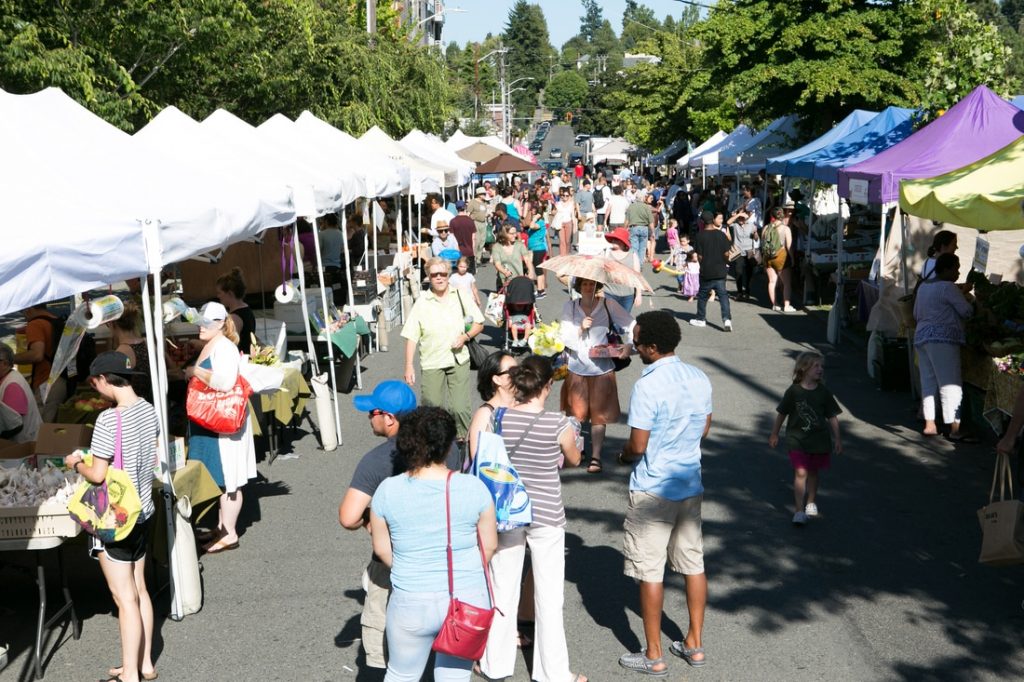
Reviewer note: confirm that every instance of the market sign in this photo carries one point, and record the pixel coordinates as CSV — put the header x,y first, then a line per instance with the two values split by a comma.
x,y
859,191
980,255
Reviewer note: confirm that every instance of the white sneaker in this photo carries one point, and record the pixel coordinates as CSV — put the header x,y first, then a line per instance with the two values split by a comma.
x,y
698,323
811,510
799,519
789,309
776,308
728,325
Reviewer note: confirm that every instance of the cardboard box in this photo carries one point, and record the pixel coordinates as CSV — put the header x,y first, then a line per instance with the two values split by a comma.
x,y
52,443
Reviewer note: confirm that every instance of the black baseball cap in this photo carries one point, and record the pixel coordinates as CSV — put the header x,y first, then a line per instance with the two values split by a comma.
x,y
111,362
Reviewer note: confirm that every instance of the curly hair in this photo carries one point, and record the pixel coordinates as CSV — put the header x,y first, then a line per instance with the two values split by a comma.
x,y
425,437
659,329
804,362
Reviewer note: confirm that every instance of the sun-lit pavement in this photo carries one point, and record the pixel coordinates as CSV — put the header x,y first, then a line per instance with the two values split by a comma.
x,y
884,586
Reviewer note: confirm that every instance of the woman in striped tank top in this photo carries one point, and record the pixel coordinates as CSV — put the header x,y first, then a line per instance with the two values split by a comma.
x,y
538,441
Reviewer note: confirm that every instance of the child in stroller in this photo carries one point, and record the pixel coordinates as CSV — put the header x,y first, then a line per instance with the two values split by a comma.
x,y
520,313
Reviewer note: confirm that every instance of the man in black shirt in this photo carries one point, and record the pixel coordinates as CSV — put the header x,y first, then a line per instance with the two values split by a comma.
x,y
711,246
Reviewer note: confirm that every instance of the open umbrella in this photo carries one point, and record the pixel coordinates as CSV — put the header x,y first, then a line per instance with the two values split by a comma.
x,y
596,268
507,163
479,152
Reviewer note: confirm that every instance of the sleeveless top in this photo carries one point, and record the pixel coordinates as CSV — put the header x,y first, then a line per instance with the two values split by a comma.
x,y
248,318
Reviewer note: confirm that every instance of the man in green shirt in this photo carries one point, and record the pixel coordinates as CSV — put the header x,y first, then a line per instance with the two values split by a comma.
x,y
640,219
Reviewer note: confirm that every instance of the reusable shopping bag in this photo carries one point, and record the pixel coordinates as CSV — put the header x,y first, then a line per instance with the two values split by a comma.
x,y
1001,527
492,465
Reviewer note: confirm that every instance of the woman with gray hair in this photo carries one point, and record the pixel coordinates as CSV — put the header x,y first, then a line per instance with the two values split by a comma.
x,y
19,414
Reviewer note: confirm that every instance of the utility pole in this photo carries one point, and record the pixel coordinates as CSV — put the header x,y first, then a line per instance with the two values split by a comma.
x,y
371,16
504,95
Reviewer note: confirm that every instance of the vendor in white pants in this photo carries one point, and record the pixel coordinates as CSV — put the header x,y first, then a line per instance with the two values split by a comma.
x,y
940,309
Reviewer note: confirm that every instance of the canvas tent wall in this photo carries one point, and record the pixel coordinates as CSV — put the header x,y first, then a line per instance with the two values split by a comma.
x,y
669,154
709,159
976,126
433,149
780,135
704,146
776,165
424,176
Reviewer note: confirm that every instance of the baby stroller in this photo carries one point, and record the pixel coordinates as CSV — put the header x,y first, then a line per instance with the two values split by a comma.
x,y
520,313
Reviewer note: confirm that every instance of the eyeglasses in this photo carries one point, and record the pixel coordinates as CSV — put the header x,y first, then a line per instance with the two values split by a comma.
x,y
442,231
376,413
439,274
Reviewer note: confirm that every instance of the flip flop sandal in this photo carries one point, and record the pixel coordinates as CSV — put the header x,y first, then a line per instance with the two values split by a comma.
x,y
115,672
639,663
220,546
595,466
687,655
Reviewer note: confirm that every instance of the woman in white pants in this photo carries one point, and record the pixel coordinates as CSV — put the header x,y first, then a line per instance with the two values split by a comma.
x,y
940,310
538,442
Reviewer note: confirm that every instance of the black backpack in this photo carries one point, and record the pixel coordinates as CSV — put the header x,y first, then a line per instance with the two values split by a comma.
x,y
599,197
86,348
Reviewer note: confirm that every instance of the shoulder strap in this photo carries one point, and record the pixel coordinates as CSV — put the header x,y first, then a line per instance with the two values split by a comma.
x,y
525,432
479,544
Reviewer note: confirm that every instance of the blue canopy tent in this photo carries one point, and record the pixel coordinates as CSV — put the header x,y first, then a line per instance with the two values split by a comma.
x,y
669,154
780,135
891,126
1018,101
855,119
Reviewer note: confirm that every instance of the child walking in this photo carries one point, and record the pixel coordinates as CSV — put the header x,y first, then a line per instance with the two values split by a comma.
x,y
812,431
672,235
690,279
463,279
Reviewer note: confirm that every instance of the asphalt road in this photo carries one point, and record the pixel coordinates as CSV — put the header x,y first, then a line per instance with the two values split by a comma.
x,y
559,136
884,586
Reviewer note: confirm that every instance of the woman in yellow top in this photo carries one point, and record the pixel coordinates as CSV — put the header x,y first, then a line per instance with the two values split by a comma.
x,y
440,324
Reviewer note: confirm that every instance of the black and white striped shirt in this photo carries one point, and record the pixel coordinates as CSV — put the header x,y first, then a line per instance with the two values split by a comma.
x,y
139,431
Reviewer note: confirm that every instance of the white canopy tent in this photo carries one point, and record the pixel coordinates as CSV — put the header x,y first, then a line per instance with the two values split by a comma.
x,y
107,205
709,158
614,151
434,150
707,144
460,140
425,176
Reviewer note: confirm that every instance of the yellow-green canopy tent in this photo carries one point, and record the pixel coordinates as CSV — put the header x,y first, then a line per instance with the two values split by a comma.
x,y
986,195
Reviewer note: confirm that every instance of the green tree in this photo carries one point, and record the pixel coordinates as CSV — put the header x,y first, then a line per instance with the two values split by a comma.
x,y
526,37
606,50
566,91
591,20
1013,10
638,24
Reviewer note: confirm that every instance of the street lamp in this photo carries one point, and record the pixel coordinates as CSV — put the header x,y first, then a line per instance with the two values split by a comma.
x,y
435,15
506,105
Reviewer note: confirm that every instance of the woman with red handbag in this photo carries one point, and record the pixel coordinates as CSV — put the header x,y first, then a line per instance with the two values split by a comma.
x,y
217,397
437,531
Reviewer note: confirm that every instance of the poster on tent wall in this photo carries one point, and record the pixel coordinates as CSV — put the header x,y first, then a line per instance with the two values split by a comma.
x,y
858,191
980,255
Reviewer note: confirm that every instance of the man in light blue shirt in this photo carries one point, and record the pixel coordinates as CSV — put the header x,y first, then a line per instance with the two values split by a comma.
x,y
669,414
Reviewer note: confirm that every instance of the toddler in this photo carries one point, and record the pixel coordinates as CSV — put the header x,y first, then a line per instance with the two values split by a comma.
x,y
812,431
463,279
689,281
672,235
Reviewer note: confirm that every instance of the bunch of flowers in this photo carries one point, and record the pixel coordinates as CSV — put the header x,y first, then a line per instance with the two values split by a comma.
x,y
1011,364
546,340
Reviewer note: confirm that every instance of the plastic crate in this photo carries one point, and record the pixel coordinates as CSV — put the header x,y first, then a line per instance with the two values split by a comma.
x,y
45,521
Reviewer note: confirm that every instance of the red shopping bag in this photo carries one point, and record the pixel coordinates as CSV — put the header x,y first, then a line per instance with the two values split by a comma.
x,y
218,411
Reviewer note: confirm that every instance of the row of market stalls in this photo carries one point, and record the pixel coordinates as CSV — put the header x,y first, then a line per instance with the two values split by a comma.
x,y
89,206
880,185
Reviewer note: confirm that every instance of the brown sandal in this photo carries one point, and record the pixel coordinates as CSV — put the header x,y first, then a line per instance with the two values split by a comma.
x,y
595,466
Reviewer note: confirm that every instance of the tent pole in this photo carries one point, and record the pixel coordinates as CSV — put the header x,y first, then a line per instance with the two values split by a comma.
x,y
351,294
810,236
158,379
327,330
398,258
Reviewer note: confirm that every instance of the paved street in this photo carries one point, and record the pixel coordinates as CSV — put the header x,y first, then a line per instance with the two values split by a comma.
x,y
885,586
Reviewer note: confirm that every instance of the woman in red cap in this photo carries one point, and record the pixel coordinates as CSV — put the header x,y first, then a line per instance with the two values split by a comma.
x,y
618,250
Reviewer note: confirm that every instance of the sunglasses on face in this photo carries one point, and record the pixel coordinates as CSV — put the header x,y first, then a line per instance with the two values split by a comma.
x,y
439,274
442,231
376,413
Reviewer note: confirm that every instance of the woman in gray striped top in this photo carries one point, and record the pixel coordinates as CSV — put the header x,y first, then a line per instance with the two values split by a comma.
x,y
538,442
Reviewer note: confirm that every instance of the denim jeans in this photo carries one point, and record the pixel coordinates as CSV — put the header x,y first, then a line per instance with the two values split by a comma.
x,y
638,236
625,301
414,619
706,287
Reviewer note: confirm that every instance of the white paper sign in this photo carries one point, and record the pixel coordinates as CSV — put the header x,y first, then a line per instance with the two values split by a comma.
x,y
980,255
858,191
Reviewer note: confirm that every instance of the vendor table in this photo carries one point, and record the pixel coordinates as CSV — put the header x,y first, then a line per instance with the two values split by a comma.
x,y
1000,389
192,481
284,405
38,546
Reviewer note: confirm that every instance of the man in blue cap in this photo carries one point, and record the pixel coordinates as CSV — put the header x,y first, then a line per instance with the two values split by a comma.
x,y
387,404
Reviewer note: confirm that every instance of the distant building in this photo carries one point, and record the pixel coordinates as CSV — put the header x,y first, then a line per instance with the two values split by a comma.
x,y
423,17
629,60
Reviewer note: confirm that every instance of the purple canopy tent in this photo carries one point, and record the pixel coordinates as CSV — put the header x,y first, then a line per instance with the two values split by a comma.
x,y
976,126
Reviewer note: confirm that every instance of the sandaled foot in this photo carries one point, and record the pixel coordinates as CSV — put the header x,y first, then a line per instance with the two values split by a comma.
x,y
595,466
116,673
579,677
639,663
929,433
221,545
208,535
689,655
522,641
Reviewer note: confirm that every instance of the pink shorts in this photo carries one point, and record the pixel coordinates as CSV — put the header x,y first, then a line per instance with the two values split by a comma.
x,y
809,460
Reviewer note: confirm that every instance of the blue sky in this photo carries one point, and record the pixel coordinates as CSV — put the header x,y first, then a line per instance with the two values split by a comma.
x,y
489,16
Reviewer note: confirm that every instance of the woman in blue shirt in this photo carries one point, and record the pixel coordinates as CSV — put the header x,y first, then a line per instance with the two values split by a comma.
x,y
537,242
409,530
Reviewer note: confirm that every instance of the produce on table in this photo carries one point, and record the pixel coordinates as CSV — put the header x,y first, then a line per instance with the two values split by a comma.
x,y
24,487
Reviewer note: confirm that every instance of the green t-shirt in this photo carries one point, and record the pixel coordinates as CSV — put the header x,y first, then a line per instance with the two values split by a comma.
x,y
639,213
808,413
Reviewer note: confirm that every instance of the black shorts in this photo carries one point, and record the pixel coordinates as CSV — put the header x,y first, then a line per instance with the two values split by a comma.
x,y
132,548
539,257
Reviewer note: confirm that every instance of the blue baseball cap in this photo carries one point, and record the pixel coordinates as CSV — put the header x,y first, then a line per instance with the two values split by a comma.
x,y
391,396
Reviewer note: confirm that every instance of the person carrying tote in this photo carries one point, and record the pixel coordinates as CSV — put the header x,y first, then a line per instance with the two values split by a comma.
x,y
131,426
409,530
229,457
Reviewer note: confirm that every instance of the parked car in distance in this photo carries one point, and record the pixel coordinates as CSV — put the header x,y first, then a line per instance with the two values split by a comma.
x,y
535,147
556,152
575,158
581,138
550,166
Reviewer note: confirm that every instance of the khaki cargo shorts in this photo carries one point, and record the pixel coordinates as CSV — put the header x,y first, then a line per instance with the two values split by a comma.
x,y
658,530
